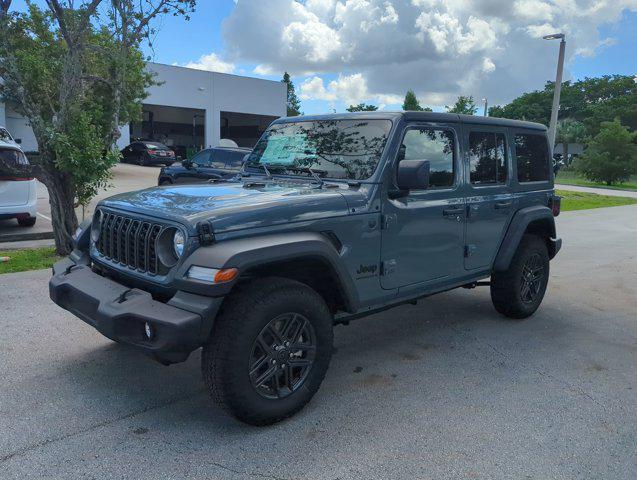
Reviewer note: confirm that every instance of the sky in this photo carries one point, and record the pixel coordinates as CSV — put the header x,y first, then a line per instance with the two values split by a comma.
x,y
342,52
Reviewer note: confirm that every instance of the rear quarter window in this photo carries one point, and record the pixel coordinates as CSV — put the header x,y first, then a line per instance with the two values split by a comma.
x,y
532,156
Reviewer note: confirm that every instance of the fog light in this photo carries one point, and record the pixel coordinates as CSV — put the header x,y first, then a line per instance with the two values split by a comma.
x,y
148,330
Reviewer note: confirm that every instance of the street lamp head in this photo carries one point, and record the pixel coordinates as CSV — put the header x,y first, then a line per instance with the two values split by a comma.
x,y
554,36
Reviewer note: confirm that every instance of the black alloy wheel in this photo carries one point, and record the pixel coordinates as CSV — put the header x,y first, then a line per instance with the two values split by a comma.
x,y
282,356
532,278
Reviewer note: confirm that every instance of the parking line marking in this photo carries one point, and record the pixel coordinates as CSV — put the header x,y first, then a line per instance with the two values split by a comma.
x,y
44,216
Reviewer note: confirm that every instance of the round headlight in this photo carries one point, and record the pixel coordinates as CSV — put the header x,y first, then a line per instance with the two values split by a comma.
x,y
179,242
96,226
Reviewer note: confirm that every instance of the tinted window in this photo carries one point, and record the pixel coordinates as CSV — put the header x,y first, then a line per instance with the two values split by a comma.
x,y
4,135
437,146
235,160
218,159
12,158
155,146
347,149
532,154
487,157
202,159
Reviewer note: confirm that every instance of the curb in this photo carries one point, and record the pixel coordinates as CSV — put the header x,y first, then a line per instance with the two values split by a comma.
x,y
25,237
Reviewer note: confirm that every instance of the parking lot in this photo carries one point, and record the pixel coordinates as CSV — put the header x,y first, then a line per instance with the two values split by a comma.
x,y
125,178
444,389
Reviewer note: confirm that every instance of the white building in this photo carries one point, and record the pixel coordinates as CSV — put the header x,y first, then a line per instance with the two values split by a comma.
x,y
190,109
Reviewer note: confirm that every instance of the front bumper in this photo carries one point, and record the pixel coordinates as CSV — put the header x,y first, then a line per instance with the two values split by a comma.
x,y
120,313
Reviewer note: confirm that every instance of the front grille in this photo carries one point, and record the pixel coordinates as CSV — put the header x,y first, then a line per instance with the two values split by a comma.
x,y
130,242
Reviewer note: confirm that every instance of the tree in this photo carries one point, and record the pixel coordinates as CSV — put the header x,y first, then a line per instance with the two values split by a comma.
x,y
293,102
611,156
362,107
569,131
411,103
77,74
591,101
464,105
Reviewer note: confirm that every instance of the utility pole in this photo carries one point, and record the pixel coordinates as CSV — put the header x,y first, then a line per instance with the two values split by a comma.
x,y
558,86
486,107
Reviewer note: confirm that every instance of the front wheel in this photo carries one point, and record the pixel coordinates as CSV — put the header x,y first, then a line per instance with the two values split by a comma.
x,y
269,351
518,291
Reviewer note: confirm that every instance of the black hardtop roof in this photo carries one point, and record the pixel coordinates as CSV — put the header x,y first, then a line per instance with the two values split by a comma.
x,y
419,116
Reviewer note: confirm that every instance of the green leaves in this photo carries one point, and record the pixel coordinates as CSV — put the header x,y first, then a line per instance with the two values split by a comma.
x,y
464,105
611,156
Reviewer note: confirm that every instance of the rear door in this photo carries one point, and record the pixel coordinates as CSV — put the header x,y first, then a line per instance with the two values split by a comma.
x,y
490,202
14,189
423,232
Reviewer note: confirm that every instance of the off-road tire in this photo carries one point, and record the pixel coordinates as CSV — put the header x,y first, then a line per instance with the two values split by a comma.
x,y
27,222
225,358
507,286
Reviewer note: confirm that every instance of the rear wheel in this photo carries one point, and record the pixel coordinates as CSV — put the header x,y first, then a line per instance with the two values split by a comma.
x,y
269,351
27,222
518,291
141,160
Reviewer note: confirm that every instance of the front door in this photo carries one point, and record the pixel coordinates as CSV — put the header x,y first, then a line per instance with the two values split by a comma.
x,y
489,200
423,232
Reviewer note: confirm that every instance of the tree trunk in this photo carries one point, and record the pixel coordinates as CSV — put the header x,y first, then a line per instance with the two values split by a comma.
x,y
63,215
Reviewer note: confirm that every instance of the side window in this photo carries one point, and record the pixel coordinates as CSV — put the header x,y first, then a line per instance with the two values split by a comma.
x,y
487,158
437,146
532,154
235,161
202,159
218,158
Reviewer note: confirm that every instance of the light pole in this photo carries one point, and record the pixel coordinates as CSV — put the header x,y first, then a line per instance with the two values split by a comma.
x,y
486,106
558,85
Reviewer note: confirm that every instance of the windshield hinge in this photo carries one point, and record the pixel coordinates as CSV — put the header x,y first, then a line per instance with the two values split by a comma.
x,y
204,231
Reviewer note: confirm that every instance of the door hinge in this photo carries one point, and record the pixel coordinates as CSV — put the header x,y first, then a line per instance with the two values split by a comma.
x,y
204,232
386,221
387,267
469,250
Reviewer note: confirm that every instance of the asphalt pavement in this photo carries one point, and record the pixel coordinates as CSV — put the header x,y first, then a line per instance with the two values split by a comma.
x,y
446,389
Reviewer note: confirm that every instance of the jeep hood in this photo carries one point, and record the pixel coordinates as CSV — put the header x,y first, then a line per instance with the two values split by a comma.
x,y
233,206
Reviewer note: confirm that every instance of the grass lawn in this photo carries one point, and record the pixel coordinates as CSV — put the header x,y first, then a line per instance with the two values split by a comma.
x,y
567,177
28,259
584,201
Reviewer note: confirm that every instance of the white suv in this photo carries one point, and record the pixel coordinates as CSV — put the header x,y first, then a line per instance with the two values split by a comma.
x,y
18,195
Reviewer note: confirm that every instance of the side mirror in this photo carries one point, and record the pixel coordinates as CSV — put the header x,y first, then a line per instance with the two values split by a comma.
x,y
187,163
413,175
18,141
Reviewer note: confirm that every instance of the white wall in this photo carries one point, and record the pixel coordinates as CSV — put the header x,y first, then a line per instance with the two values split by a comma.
x,y
215,92
188,88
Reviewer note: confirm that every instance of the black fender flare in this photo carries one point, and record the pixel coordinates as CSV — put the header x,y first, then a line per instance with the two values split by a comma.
x,y
518,226
246,253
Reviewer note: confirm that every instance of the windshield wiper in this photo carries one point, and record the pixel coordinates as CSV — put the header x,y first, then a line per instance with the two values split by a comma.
x,y
314,173
262,165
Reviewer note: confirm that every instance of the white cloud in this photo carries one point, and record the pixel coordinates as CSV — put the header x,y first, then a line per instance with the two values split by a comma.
x,y
349,89
439,48
210,62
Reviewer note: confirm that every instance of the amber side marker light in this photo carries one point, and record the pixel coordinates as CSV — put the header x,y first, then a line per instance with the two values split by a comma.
x,y
212,275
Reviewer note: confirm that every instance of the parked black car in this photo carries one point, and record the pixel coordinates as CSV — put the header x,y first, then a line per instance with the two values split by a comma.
x,y
148,153
209,164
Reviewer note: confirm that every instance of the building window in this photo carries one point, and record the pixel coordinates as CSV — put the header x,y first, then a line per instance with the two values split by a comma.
x,y
436,146
532,154
487,157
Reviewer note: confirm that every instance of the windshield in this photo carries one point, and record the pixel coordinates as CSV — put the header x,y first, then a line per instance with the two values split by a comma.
x,y
341,149
155,146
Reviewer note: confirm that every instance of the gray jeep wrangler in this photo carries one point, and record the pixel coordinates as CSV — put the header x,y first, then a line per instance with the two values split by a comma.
x,y
333,218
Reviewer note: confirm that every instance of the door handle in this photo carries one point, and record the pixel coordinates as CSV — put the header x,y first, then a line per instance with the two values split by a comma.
x,y
502,205
452,212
